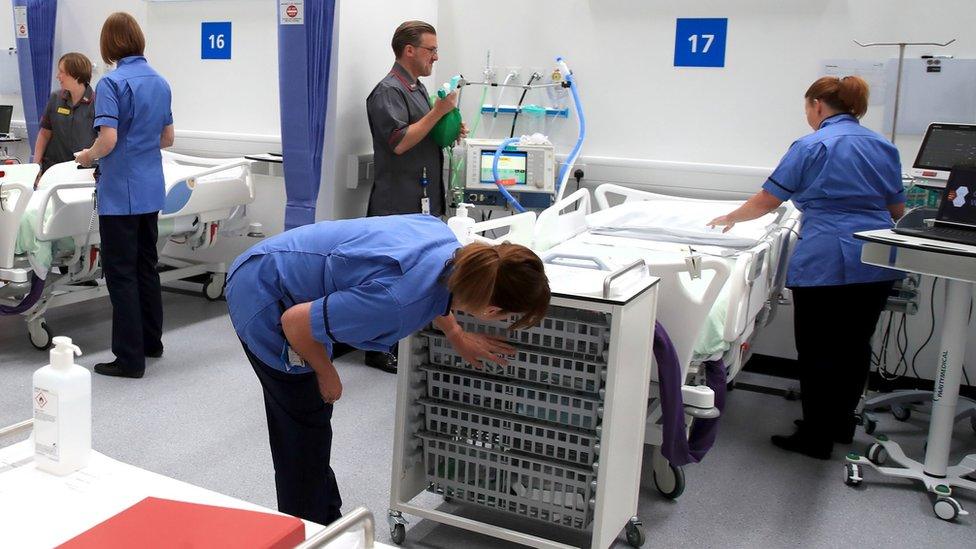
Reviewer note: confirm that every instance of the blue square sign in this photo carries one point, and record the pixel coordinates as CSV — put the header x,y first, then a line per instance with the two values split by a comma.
x,y
700,42
215,40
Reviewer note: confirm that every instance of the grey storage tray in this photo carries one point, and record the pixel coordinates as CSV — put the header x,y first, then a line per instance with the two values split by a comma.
x,y
530,488
511,433
567,330
512,398
567,372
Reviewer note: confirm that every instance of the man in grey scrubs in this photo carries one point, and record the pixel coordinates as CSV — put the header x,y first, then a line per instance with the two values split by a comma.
x,y
409,165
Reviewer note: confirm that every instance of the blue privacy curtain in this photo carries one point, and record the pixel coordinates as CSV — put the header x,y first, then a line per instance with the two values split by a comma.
x,y
304,50
34,57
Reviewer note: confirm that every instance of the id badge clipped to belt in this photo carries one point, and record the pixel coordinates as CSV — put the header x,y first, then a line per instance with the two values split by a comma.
x,y
292,359
425,200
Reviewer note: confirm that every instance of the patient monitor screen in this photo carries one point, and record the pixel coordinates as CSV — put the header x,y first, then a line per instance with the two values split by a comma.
x,y
946,145
511,167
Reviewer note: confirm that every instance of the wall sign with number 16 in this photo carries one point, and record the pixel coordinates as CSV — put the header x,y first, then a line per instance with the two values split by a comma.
x,y
215,40
700,42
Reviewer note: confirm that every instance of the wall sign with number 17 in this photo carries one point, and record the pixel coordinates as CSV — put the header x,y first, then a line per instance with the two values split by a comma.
x,y
700,42
215,40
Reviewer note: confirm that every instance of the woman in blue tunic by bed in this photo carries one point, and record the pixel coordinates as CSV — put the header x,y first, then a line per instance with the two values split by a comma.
x,y
845,178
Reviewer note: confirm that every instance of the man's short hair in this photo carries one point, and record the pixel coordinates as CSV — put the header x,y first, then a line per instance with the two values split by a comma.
x,y
408,34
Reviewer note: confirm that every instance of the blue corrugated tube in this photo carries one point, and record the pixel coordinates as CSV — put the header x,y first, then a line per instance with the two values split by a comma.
x,y
574,154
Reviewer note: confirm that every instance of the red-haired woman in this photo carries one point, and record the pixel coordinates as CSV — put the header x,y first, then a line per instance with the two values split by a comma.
x,y
366,283
845,178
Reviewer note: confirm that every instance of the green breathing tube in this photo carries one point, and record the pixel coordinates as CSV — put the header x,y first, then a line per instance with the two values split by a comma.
x,y
456,167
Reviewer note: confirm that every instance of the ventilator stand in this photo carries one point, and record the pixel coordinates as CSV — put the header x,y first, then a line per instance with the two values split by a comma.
x,y
955,263
901,62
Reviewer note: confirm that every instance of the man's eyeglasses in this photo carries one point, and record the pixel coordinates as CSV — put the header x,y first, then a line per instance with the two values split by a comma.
x,y
428,48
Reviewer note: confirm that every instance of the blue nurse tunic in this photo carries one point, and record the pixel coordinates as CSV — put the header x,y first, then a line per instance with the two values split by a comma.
x,y
370,281
842,177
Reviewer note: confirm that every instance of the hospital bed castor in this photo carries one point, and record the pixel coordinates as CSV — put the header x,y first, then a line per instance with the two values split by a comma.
x,y
39,335
668,479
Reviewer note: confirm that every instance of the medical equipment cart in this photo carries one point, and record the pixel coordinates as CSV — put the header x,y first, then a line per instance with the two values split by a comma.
x,y
556,437
957,264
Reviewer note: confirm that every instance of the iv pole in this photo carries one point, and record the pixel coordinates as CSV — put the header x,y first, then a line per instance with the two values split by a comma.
x,y
901,61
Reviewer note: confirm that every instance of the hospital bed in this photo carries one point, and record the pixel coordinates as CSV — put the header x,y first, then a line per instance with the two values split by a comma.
x,y
49,239
716,290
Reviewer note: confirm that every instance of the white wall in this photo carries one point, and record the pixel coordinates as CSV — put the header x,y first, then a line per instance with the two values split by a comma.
x,y
639,106
363,58
219,106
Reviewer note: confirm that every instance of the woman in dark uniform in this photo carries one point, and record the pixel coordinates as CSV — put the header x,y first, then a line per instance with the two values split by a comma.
x,y
67,123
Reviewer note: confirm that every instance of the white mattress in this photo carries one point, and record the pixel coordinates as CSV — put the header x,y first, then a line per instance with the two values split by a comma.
x,y
679,220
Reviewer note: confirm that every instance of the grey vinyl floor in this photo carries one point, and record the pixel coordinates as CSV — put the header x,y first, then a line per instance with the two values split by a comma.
x,y
198,416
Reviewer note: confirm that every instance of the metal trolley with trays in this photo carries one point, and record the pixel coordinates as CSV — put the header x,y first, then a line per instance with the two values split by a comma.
x,y
556,436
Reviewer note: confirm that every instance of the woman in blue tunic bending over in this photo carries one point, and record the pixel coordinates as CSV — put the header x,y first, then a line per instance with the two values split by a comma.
x,y
367,283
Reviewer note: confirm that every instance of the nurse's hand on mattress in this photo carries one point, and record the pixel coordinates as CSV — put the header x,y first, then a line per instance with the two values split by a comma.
x,y
725,220
476,348
757,206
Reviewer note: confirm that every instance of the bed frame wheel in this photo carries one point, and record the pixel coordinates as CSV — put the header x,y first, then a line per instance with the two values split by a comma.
x,y
213,288
670,482
39,334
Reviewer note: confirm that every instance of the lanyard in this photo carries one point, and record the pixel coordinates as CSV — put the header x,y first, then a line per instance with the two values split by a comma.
x,y
424,201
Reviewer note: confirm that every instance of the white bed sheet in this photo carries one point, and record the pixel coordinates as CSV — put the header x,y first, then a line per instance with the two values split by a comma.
x,y
682,221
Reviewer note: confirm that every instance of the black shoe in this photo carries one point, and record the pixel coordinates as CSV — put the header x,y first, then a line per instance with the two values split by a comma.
x,y
115,369
844,436
802,444
384,361
154,354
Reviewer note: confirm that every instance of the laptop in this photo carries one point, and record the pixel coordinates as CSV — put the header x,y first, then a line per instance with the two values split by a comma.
x,y
956,220
944,146
6,113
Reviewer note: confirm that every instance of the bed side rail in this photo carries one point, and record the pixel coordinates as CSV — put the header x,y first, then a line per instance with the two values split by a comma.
x,y
520,229
602,202
16,189
556,224
80,217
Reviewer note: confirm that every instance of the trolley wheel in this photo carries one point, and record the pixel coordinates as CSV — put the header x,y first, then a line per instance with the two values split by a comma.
x,y
876,454
972,422
852,474
901,413
398,533
870,425
40,335
672,483
947,508
635,534
213,288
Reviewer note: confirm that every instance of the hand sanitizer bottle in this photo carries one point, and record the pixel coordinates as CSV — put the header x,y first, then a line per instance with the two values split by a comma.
x,y
62,411
461,224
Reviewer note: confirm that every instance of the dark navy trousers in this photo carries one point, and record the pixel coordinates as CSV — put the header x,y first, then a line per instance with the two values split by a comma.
x,y
833,326
129,260
300,431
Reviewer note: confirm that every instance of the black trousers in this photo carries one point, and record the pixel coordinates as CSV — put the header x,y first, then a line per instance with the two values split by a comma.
x,y
129,262
833,326
300,431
